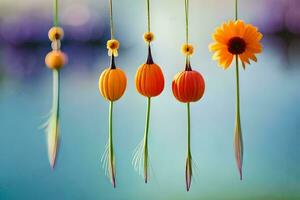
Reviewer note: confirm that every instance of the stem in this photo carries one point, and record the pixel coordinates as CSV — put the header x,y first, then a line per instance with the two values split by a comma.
x,y
186,7
146,140
189,129
238,138
188,167
55,12
112,62
236,10
237,85
111,19
111,148
148,15
56,91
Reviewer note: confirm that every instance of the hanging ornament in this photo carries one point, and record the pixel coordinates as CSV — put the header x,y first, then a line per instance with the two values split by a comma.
x,y
188,86
112,85
149,82
54,60
236,39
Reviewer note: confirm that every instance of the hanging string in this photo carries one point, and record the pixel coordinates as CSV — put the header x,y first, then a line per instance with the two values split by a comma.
x,y
236,10
111,19
148,15
238,137
186,6
55,12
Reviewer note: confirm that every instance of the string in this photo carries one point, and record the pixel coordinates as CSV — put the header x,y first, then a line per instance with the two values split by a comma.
x,y
236,10
148,15
55,12
186,6
111,19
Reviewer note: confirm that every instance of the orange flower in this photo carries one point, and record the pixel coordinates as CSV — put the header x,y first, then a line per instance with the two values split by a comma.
x,y
113,46
236,38
187,49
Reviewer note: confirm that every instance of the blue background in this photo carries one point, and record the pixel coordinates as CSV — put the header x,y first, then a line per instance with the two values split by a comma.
x,y
270,99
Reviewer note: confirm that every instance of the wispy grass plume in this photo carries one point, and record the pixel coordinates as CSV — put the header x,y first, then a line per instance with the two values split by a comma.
x,y
52,124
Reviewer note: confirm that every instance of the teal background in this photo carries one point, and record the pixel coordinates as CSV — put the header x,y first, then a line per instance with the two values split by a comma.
x,y
270,99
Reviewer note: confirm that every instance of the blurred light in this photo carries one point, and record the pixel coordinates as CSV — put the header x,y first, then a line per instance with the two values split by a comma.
x,y
76,15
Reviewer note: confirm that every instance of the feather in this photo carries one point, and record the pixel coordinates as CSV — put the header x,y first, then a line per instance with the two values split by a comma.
x,y
52,125
238,145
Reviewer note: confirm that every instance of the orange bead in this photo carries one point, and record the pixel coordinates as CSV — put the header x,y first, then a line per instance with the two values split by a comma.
x,y
112,83
55,33
188,86
55,59
149,80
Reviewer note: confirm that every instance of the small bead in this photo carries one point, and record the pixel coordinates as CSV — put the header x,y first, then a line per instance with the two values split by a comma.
x,y
187,49
55,59
148,37
56,45
55,33
113,46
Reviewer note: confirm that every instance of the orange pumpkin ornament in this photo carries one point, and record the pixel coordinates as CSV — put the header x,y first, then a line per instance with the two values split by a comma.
x,y
149,78
112,85
149,82
188,86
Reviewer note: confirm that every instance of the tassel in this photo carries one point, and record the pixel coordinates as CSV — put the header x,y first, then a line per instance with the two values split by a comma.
x,y
52,125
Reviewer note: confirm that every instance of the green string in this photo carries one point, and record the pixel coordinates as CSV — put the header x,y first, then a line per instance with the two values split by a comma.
x,y
148,15
237,67
238,118
236,10
111,19
146,140
55,12
110,143
237,86
186,8
189,129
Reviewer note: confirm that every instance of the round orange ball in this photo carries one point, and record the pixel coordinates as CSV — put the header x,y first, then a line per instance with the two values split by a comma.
x,y
149,80
112,83
188,86
55,59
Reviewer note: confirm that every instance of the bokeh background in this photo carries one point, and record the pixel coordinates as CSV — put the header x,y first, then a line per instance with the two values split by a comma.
x,y
270,99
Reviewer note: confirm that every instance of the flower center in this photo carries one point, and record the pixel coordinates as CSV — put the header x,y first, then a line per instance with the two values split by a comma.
x,y
236,45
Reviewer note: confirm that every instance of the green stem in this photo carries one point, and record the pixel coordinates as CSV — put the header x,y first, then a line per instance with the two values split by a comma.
x,y
146,140
238,138
237,85
188,167
111,148
55,12
111,19
56,91
148,15
189,129
186,7
236,10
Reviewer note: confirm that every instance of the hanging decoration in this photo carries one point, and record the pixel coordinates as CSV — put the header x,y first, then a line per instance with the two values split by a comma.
x,y
149,82
240,41
54,60
188,86
112,85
